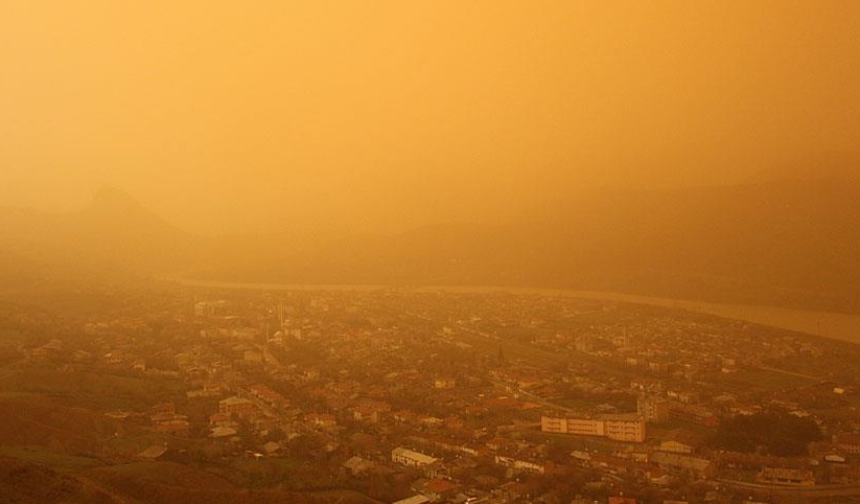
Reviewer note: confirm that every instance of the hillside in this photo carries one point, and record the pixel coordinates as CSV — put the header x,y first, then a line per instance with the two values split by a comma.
x,y
790,242
114,238
27,482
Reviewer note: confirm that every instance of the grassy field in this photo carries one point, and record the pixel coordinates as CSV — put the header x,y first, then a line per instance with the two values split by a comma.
x,y
576,403
570,442
345,496
134,444
762,379
96,390
55,461
10,335
165,473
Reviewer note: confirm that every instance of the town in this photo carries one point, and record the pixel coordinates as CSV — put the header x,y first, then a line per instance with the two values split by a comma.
x,y
419,395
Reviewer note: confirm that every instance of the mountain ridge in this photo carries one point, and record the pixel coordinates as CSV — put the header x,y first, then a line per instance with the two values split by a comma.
x,y
787,243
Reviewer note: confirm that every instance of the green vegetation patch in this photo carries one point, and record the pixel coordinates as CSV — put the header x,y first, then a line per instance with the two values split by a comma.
x,y
763,379
97,390
56,461
772,432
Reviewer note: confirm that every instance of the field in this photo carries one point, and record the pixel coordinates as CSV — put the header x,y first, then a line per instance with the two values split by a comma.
x,y
763,379
94,390
57,461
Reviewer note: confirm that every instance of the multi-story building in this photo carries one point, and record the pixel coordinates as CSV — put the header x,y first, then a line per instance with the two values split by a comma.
x,y
416,460
555,425
653,409
629,428
586,427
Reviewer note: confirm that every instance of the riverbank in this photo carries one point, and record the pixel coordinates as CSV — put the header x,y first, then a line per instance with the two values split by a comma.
x,y
831,325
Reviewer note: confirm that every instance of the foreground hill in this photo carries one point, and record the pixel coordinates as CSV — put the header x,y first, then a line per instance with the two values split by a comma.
x,y
27,482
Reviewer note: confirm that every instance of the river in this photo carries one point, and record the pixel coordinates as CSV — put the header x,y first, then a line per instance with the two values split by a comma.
x,y
826,324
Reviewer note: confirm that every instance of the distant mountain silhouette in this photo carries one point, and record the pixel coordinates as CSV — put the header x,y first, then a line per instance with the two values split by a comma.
x,y
117,227
827,165
793,243
113,237
790,242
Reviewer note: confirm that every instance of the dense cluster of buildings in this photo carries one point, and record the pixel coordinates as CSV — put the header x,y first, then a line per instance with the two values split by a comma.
x,y
492,398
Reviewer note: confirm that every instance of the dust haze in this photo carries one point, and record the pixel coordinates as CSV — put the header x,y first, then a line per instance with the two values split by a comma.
x,y
410,252
384,116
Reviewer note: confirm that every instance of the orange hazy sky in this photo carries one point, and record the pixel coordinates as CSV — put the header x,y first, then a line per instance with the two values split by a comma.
x,y
226,116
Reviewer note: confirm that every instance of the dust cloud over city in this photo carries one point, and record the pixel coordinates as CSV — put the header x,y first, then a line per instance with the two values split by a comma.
x,y
473,252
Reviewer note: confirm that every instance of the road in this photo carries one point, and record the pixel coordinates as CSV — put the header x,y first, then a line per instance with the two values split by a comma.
x,y
796,491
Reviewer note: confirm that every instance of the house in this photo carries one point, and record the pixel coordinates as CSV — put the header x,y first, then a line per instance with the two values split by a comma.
x,y
221,420
415,499
272,447
365,413
430,421
784,476
835,459
176,426
49,349
405,416
445,383
416,460
520,465
268,396
673,462
437,489
848,443
167,408
622,500
498,443
358,465
222,432
237,406
673,446
369,411
693,414
320,420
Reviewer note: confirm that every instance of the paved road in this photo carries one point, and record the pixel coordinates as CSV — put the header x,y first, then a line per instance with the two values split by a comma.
x,y
797,491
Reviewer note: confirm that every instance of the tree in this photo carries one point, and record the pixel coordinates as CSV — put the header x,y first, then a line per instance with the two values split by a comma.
x,y
776,432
